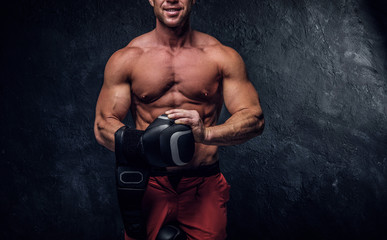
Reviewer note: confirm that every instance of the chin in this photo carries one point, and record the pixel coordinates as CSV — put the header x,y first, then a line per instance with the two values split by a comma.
x,y
173,24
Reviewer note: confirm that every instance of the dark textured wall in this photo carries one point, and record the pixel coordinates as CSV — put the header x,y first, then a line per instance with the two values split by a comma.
x,y
318,171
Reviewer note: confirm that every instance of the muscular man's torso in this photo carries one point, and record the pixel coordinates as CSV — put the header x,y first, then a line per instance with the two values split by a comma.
x,y
187,78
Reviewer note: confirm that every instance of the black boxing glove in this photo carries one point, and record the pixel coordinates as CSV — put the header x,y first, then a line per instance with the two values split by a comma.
x,y
171,232
165,143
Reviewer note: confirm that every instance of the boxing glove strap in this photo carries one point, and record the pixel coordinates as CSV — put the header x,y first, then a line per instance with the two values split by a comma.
x,y
127,146
132,176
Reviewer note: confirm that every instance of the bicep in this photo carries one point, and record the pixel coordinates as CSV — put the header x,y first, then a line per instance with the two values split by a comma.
x,y
114,99
238,92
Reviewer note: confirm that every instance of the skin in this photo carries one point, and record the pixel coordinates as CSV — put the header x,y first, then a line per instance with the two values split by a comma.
x,y
184,73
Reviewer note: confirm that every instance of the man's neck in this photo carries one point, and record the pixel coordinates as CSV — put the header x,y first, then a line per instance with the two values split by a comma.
x,y
173,37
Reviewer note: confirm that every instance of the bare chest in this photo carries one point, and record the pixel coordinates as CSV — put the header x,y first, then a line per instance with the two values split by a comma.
x,y
189,75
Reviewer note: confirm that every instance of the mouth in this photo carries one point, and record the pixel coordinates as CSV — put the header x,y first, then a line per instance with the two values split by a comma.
x,y
172,11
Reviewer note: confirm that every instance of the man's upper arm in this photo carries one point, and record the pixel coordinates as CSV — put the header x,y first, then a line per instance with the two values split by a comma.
x,y
238,92
114,99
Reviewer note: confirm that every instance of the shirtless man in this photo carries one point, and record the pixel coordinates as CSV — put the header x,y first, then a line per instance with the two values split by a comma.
x,y
187,75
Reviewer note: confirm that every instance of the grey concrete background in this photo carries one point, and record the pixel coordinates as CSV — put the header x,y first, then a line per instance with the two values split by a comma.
x,y
318,171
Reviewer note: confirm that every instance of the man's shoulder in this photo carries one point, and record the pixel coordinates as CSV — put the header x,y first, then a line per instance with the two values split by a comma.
x,y
134,49
201,38
211,44
142,41
205,41
126,54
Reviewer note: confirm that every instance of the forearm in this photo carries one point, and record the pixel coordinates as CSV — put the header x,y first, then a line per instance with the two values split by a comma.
x,y
240,127
104,130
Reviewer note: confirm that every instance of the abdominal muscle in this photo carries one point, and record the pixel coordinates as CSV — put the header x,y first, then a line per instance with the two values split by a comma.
x,y
145,113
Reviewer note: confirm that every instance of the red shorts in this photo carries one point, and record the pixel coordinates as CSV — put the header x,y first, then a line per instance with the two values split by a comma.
x,y
198,204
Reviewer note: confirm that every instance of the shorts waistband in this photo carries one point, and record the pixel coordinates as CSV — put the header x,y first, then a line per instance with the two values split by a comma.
x,y
202,171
